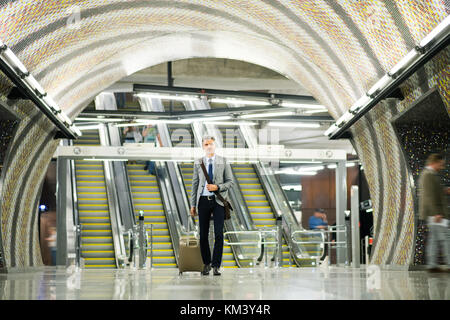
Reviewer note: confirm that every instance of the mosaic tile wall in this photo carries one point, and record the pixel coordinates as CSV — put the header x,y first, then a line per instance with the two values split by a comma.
x,y
335,49
7,128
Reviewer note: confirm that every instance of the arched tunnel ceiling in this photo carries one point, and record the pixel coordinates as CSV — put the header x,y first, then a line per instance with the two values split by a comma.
x,y
335,49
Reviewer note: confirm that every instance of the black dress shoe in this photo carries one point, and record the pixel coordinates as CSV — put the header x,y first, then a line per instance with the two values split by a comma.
x,y
206,269
436,270
216,271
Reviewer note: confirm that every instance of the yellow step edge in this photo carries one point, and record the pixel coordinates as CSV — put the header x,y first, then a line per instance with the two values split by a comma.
x,y
99,265
93,218
92,205
97,251
90,259
145,192
91,193
89,176
96,237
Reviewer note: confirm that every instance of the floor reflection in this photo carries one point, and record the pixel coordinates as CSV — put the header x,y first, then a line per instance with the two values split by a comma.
x,y
244,284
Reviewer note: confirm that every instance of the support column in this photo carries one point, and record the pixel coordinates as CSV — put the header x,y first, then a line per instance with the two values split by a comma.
x,y
356,253
341,206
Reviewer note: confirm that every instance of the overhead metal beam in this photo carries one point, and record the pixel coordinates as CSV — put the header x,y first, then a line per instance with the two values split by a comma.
x,y
167,115
217,92
143,152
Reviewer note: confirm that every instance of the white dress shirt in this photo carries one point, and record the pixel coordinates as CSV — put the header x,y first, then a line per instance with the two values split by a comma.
x,y
206,162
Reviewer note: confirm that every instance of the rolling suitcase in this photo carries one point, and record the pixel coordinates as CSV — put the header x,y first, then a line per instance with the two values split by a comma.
x,y
190,257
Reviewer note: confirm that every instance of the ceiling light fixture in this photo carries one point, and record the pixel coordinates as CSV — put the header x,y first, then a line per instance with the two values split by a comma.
x,y
293,124
240,101
266,115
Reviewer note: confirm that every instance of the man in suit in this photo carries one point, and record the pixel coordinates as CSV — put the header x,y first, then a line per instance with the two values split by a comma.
x,y
206,202
433,210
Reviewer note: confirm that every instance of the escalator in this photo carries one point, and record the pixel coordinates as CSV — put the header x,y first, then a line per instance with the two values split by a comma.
x,y
147,197
182,136
97,248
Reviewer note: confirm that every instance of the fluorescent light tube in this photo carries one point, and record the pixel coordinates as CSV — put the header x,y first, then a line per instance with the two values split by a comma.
x,y
76,130
293,124
238,101
330,129
442,28
168,97
265,115
299,173
89,127
316,111
32,82
380,85
190,120
360,103
344,119
100,120
64,118
302,105
230,123
13,61
405,62
51,103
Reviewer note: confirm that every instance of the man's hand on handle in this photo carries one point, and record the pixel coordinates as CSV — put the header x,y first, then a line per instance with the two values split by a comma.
x,y
212,187
193,212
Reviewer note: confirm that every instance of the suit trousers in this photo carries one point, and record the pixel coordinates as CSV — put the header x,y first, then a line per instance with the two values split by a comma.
x,y
205,208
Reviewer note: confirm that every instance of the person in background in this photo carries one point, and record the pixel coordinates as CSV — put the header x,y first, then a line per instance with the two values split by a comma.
x,y
52,244
132,135
150,134
433,211
318,221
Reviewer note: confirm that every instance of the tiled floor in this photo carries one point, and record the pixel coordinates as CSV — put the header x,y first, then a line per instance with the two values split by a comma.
x,y
279,284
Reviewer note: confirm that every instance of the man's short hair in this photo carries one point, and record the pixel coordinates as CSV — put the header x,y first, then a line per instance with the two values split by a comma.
x,y
208,138
434,157
319,210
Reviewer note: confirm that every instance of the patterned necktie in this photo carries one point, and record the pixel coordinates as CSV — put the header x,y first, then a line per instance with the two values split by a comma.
x,y
210,170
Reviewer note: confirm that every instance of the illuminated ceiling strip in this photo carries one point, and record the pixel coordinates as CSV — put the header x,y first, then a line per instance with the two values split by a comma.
x,y
22,78
437,37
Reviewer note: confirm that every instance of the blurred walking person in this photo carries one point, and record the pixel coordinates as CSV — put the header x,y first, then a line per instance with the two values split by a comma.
x,y
433,210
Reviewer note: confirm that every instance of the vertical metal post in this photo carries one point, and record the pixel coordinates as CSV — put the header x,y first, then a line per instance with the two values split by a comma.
x,y
78,246
142,246
279,241
366,249
341,205
151,246
356,253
